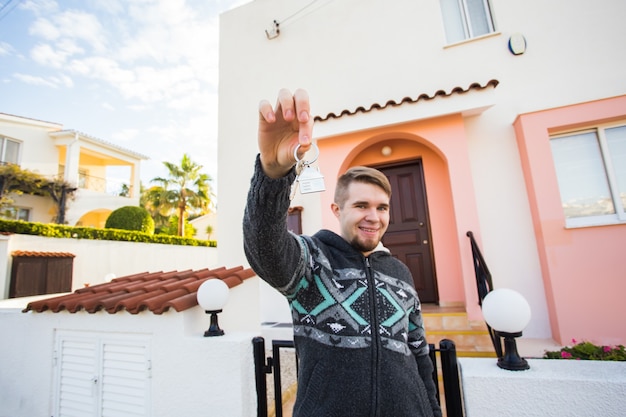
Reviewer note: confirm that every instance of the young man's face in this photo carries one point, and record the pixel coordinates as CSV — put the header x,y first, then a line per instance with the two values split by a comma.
x,y
364,216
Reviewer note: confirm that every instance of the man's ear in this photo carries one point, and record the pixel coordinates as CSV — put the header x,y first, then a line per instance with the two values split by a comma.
x,y
335,208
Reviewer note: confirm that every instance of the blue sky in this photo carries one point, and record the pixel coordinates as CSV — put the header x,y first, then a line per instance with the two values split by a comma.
x,y
142,74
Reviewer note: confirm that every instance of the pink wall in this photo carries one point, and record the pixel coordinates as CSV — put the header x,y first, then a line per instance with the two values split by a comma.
x,y
441,144
583,268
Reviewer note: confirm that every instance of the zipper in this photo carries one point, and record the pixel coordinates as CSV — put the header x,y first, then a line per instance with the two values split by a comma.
x,y
375,336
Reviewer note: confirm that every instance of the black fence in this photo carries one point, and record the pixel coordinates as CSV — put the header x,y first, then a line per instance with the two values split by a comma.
x,y
446,354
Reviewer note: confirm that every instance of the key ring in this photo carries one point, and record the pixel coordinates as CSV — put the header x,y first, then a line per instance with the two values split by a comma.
x,y
295,154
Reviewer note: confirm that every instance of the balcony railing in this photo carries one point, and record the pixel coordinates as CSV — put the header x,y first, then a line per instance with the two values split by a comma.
x,y
105,185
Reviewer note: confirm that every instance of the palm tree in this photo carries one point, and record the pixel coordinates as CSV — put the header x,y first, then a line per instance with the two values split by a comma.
x,y
184,189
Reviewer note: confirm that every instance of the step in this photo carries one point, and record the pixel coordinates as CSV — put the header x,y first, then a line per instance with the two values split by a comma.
x,y
471,338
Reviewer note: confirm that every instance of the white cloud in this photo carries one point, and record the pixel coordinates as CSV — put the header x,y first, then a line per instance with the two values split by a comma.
x,y
45,29
102,68
33,80
46,55
39,7
62,80
81,26
125,135
5,48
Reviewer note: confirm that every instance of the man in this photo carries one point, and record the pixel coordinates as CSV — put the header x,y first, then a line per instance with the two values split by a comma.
x,y
358,329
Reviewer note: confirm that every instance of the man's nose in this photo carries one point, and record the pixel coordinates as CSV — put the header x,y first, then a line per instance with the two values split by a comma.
x,y
371,214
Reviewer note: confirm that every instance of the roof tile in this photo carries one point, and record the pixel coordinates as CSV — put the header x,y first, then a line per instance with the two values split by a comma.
x,y
33,254
154,291
408,99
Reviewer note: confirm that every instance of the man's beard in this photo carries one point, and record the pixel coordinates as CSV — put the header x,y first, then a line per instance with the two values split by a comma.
x,y
363,246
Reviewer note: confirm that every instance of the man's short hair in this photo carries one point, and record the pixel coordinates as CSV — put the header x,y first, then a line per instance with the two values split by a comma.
x,y
360,174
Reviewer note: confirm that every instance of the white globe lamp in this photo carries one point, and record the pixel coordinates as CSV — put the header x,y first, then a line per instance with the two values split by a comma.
x,y
508,313
212,296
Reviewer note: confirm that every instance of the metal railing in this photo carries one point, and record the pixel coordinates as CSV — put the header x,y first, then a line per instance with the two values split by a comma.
x,y
271,365
105,185
484,285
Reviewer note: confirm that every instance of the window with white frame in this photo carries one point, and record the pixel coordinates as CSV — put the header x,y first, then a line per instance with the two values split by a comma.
x,y
466,19
9,150
591,172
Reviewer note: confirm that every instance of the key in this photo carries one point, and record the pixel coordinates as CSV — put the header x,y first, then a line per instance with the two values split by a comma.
x,y
308,178
294,186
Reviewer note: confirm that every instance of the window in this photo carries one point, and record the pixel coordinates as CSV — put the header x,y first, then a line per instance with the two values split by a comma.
x,y
466,19
591,172
294,220
36,273
9,150
15,213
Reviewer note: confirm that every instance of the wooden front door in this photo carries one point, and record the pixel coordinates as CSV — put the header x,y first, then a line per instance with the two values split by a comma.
x,y
408,235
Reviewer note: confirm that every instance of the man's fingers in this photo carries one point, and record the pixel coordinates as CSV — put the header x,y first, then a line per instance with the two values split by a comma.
x,y
301,99
285,104
266,111
303,111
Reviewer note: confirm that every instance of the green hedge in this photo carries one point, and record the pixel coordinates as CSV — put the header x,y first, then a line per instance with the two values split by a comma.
x,y
57,230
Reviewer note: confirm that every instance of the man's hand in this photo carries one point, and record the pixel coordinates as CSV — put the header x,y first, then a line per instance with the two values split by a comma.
x,y
281,129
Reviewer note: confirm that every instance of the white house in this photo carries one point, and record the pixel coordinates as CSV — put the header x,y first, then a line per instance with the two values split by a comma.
x,y
507,118
79,159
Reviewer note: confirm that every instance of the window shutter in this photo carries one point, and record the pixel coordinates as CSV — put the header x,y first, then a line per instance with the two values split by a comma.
x,y
77,377
102,374
125,383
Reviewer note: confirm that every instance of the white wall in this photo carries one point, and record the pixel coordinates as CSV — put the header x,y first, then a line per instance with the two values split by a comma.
x,y
550,388
97,258
192,376
201,223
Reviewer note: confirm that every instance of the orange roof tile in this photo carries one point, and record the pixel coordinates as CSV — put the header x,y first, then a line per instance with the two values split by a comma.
x,y
31,254
154,291
407,99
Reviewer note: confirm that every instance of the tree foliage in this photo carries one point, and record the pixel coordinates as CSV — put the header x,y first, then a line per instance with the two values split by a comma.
x,y
185,190
17,181
130,218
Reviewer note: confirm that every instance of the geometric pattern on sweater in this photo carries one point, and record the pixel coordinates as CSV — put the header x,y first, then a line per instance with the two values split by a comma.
x,y
335,308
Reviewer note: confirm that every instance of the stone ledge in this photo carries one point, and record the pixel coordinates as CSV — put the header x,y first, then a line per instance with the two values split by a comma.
x,y
550,388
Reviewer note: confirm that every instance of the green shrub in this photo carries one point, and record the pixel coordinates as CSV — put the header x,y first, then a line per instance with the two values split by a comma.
x,y
131,218
588,351
62,231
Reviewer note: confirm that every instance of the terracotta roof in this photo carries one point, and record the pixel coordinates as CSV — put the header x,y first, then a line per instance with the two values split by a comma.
x,y
407,99
30,254
155,291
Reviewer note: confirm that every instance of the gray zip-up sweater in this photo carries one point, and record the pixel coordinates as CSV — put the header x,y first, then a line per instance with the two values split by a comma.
x,y
358,329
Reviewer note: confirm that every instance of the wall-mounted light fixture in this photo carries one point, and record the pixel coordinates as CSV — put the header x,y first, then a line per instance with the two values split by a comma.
x,y
517,44
508,313
274,31
212,296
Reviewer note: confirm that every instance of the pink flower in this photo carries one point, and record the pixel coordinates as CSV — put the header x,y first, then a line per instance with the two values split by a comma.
x,y
573,341
566,355
606,349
